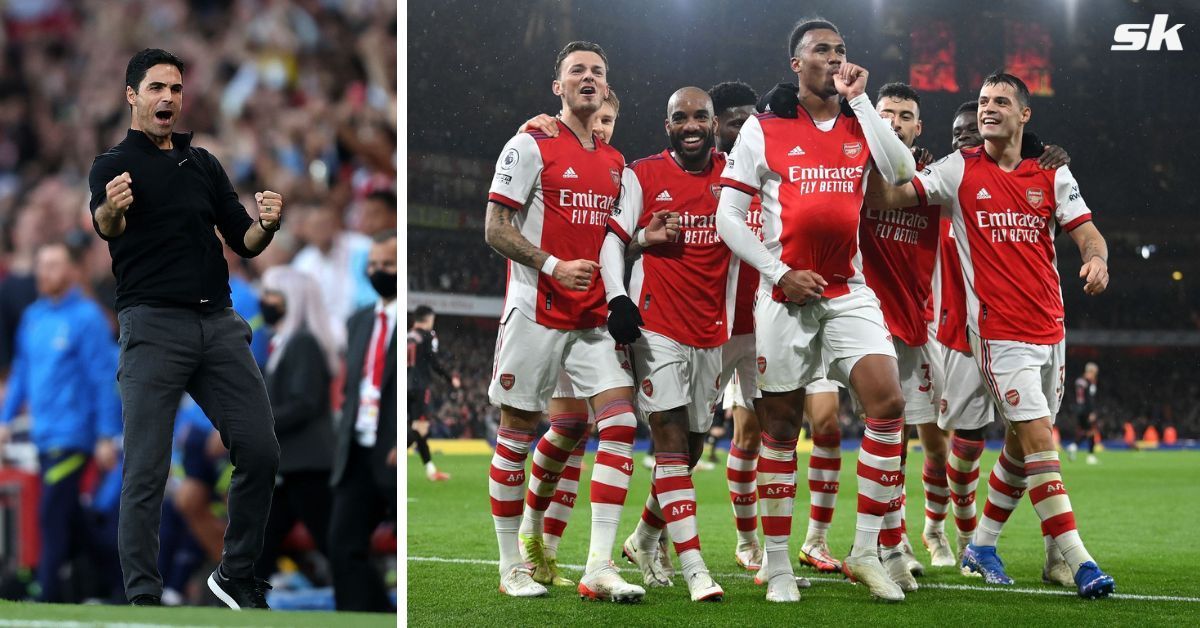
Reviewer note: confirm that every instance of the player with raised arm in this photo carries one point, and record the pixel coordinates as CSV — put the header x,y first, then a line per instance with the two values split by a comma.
x,y
815,315
552,197
1005,212
678,355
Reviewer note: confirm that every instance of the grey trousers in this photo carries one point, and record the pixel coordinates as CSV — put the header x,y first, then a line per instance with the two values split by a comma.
x,y
164,352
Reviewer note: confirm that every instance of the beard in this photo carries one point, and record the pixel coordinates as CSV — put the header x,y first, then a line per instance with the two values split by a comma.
x,y
707,143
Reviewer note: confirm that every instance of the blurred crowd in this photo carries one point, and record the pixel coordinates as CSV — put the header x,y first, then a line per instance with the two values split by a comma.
x,y
294,96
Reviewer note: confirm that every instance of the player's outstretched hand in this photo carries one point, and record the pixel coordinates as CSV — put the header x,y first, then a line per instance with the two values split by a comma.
x,y
802,286
922,156
624,320
545,123
663,227
575,274
1053,157
850,81
1095,273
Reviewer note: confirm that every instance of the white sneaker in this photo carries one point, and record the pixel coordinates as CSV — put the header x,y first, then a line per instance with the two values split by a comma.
x,y
940,554
1057,571
749,557
608,585
1092,459
518,582
915,567
897,568
664,556
869,571
763,574
647,562
705,465
782,588
703,588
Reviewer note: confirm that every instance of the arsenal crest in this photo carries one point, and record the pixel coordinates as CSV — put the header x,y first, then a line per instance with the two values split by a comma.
x,y
507,380
1034,196
762,365
715,188
616,176
647,387
852,149
1012,397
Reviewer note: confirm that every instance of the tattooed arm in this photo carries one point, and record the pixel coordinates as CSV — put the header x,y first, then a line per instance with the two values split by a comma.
x,y
500,234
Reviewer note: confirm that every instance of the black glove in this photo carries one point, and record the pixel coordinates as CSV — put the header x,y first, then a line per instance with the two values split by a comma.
x,y
1031,146
624,319
782,100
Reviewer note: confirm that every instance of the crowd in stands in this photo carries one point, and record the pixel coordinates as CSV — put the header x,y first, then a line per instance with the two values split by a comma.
x,y
294,96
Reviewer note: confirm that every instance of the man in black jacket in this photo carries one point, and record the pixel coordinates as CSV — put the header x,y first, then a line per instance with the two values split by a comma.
x,y
364,464
155,200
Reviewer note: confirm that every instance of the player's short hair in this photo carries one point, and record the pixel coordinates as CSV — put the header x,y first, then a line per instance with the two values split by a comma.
x,y
576,46
383,236
74,254
903,91
805,25
145,59
1004,78
1091,366
971,106
731,94
384,195
423,312
613,100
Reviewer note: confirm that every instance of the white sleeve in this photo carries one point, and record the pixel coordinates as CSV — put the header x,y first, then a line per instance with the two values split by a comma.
x,y
938,183
731,226
517,171
1069,208
894,159
612,266
746,167
628,211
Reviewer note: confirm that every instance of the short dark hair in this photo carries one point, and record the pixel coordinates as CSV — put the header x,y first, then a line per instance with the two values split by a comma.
x,y
731,94
576,46
385,196
903,91
971,106
1004,78
383,236
805,25
423,312
146,59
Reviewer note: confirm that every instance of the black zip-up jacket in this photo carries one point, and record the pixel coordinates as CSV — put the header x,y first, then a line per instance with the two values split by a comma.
x,y
168,254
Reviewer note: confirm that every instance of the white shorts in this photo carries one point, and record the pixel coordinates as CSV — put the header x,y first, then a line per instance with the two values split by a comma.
x,y
920,380
799,344
737,367
563,388
821,386
674,375
966,404
529,358
1026,381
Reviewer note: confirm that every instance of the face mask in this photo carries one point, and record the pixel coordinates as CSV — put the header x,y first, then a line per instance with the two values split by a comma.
x,y
384,283
271,313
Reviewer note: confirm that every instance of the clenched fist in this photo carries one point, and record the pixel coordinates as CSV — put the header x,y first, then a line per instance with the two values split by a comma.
x,y
119,193
850,81
270,209
575,274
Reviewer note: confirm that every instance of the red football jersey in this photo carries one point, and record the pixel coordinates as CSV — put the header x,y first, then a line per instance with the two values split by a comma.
x,y
1004,225
952,317
899,251
563,194
812,183
747,277
681,286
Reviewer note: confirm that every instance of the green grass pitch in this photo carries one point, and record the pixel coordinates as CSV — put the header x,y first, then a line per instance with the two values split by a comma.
x,y
1137,513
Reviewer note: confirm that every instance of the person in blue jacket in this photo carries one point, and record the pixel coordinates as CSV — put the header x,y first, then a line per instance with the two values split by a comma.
x,y
64,372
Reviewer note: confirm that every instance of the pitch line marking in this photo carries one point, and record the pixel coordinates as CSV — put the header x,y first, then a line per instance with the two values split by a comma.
x,y
932,585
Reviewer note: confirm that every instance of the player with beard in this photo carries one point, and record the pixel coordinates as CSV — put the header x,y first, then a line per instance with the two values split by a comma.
x,y
551,196
815,315
966,407
1005,212
680,287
